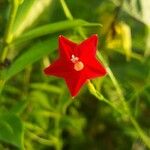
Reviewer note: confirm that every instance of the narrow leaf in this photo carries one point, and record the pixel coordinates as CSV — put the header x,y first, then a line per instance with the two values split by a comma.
x,y
26,15
52,28
46,87
35,53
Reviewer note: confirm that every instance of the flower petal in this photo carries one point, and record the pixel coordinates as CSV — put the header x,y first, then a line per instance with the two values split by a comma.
x,y
66,47
95,69
77,63
75,82
87,49
59,68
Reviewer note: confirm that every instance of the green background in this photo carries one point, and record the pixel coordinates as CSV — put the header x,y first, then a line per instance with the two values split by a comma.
x,y
110,113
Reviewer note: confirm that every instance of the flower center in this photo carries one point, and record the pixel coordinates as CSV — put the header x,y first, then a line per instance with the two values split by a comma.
x,y
78,65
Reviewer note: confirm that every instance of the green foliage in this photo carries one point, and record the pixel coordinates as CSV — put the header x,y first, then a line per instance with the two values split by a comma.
x,y
35,53
26,14
11,130
52,28
37,112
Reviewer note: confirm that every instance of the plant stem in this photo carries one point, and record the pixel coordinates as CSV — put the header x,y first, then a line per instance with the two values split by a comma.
x,y
57,131
147,50
66,10
126,111
58,145
8,37
141,133
1,85
99,96
114,81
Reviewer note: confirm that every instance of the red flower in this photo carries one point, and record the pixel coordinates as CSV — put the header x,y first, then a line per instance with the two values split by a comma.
x,y
77,63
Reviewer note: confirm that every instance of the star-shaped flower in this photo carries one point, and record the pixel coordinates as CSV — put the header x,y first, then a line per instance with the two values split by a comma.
x,y
77,63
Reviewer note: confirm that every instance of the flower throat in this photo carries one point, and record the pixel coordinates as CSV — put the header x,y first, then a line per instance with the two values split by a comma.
x,y
78,65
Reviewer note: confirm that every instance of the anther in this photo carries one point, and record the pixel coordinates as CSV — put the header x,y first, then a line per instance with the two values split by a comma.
x,y
78,65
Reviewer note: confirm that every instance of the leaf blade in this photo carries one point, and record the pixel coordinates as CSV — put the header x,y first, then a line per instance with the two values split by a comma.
x,y
52,28
11,130
35,53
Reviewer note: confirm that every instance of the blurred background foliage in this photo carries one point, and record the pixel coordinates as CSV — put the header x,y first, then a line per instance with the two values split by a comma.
x,y
37,112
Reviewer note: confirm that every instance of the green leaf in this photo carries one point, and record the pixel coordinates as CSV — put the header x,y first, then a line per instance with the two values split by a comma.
x,y
19,107
11,130
35,53
26,15
46,87
76,123
147,50
20,2
40,100
52,28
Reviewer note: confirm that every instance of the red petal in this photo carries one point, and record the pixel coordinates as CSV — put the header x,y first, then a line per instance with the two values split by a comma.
x,y
63,67
87,49
75,82
95,69
66,47
59,68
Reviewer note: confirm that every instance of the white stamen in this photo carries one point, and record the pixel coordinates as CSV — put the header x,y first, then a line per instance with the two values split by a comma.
x,y
74,59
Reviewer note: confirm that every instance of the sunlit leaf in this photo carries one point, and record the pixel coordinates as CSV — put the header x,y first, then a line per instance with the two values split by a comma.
x,y
120,38
28,12
126,40
139,9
